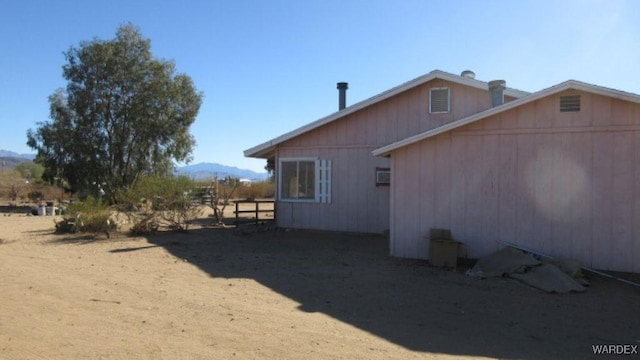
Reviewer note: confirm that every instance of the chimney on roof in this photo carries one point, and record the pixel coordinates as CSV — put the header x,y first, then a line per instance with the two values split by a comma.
x,y
496,88
342,95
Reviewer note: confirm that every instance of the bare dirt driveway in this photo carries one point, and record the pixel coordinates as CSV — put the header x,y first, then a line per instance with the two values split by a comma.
x,y
217,294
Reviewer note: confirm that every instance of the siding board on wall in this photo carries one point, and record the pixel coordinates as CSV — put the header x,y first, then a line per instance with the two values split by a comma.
x,y
622,202
458,183
583,206
508,188
413,206
542,180
340,127
341,204
525,187
442,163
562,196
363,191
410,108
602,210
474,210
400,197
489,193
425,180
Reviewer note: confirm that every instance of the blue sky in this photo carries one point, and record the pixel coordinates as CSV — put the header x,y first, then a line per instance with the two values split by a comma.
x,y
268,67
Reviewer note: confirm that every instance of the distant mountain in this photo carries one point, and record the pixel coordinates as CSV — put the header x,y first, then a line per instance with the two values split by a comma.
x,y
9,159
11,154
204,171
8,162
200,171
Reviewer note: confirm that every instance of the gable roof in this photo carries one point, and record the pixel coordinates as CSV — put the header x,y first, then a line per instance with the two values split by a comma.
x,y
567,85
266,149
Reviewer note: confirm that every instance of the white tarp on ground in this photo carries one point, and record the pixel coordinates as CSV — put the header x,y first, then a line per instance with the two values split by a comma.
x,y
554,276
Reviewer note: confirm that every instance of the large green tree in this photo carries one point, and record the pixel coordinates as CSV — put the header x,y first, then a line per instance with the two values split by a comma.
x,y
123,114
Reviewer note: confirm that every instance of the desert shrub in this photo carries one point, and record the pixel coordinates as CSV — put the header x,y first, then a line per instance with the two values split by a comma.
x,y
218,193
67,226
160,199
144,225
35,195
30,170
87,216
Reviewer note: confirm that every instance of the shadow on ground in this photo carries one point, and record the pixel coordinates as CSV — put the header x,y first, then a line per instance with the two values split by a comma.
x,y
352,279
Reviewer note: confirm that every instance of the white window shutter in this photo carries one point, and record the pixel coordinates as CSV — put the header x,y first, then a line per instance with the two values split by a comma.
x,y
323,181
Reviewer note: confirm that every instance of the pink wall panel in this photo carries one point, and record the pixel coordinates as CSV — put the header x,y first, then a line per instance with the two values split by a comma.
x,y
424,198
602,204
473,191
413,204
458,183
623,186
525,208
524,116
399,216
507,187
545,111
441,163
582,241
622,115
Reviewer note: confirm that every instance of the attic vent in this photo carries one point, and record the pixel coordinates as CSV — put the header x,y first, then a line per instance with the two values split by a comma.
x,y
439,100
570,103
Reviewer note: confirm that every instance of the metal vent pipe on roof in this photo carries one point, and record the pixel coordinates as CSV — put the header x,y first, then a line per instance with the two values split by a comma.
x,y
342,95
496,88
468,74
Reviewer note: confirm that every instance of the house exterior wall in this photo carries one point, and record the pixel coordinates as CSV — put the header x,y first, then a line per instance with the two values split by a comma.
x,y
357,204
565,184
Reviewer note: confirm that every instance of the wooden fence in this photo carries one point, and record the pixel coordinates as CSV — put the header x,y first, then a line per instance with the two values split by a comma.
x,y
254,207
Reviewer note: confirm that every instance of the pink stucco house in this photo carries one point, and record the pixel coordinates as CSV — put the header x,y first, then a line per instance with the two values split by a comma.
x,y
555,171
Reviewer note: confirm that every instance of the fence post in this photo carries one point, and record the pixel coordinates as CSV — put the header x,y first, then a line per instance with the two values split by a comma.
x,y
237,213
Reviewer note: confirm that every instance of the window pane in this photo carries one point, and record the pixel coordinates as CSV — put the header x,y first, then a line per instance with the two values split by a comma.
x,y
289,173
298,180
307,176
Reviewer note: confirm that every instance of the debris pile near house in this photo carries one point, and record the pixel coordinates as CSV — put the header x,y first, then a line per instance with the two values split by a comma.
x,y
550,275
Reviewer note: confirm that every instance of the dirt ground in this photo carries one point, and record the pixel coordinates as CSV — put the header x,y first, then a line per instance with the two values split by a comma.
x,y
224,294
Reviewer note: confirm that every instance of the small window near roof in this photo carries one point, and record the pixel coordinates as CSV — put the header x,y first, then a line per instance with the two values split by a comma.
x,y
569,103
439,100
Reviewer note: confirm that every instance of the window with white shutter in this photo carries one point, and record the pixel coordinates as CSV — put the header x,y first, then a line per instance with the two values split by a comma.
x,y
305,180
